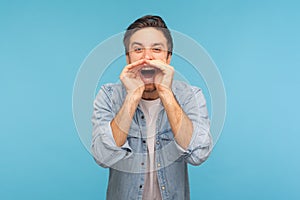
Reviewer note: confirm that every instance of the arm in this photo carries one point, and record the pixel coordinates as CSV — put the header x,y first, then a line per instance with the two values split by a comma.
x,y
193,107
109,142
178,120
201,142
190,124
103,147
121,123
134,87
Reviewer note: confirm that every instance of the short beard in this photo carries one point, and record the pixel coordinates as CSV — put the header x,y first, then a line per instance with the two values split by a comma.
x,y
150,90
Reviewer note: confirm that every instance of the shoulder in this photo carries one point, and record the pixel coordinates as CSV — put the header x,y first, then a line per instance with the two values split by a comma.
x,y
111,91
111,95
184,91
111,88
183,88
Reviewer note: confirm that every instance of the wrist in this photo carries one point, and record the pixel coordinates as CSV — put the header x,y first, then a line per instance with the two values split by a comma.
x,y
166,95
133,98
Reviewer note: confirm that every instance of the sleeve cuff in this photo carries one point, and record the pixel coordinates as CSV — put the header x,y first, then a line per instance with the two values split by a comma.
x,y
110,141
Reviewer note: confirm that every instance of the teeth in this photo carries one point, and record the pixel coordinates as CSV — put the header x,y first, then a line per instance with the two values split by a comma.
x,y
148,68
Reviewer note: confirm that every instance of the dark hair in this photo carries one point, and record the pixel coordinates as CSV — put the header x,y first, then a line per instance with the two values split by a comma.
x,y
148,21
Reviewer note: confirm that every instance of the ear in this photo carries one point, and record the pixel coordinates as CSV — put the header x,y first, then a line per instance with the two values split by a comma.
x,y
169,57
127,59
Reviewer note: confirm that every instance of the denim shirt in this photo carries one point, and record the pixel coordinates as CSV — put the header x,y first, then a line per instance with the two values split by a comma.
x,y
128,164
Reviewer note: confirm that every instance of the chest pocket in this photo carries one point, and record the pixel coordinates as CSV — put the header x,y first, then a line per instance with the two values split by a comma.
x,y
166,136
135,144
134,138
168,149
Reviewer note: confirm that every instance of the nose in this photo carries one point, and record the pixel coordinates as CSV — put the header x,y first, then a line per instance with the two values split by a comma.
x,y
148,54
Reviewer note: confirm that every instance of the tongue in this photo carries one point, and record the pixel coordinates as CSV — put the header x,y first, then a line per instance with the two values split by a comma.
x,y
147,76
148,73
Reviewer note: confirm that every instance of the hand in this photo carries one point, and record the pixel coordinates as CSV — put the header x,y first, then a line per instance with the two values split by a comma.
x,y
164,75
131,79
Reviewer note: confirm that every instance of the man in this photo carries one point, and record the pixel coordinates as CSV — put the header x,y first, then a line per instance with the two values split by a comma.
x,y
149,127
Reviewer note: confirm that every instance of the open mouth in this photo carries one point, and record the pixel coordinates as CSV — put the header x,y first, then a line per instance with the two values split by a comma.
x,y
148,72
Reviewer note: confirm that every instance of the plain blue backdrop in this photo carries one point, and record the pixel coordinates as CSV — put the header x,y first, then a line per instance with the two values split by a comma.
x,y
255,44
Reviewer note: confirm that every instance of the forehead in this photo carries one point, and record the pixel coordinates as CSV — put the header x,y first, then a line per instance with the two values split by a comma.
x,y
148,36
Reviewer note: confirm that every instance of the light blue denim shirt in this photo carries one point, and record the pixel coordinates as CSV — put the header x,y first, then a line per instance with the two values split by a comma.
x,y
127,163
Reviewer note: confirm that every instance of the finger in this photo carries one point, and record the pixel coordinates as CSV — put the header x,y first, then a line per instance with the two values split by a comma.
x,y
135,64
137,69
159,64
133,67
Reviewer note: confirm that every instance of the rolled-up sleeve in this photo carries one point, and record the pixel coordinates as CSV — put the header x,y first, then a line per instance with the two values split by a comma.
x,y
104,149
201,142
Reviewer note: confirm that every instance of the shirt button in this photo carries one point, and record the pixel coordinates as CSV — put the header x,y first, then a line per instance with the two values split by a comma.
x,y
142,163
158,164
144,141
163,187
141,186
157,142
142,117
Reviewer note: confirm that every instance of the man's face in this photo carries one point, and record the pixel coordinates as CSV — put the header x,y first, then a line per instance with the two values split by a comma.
x,y
148,43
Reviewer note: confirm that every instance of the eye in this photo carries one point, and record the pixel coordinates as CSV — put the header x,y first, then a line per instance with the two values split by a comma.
x,y
156,49
138,49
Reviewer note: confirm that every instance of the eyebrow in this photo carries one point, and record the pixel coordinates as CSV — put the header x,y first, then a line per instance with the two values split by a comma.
x,y
157,44
154,44
136,43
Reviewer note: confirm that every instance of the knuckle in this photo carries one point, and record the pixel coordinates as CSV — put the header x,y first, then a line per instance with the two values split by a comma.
x,y
171,69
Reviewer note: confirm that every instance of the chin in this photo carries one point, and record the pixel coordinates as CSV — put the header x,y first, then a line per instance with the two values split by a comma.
x,y
150,87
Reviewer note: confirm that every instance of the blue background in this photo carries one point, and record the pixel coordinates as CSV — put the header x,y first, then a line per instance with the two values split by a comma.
x,y
255,44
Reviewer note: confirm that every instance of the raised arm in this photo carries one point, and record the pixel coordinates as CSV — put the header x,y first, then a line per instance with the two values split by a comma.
x,y
134,87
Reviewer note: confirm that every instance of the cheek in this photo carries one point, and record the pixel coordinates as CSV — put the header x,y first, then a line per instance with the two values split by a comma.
x,y
161,57
133,58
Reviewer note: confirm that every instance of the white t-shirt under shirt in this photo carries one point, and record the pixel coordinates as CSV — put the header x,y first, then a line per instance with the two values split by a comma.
x,y
151,110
